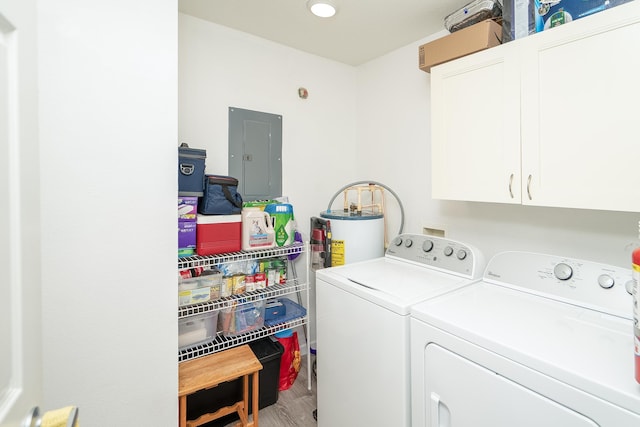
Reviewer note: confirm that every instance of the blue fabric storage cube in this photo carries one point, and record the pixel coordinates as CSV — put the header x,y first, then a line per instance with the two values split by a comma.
x,y
191,165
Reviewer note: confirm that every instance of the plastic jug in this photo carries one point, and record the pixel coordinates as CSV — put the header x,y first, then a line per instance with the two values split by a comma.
x,y
257,230
283,223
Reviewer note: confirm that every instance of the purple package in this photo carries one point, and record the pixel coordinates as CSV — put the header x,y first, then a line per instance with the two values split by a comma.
x,y
186,238
187,208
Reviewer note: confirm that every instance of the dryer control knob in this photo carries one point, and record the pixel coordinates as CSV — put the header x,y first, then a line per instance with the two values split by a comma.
x,y
408,243
629,286
563,271
461,254
427,246
397,241
605,281
448,251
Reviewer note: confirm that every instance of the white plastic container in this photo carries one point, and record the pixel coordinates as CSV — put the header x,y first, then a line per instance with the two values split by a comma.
x,y
197,329
257,230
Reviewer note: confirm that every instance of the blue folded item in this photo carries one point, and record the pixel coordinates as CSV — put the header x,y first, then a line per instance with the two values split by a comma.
x,y
290,312
274,309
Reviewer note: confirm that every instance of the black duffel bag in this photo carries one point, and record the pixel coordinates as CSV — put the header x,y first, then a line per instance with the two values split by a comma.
x,y
221,196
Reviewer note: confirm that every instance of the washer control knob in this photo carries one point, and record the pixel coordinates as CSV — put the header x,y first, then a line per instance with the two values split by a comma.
x,y
563,271
427,246
397,241
605,281
408,243
448,251
629,286
461,254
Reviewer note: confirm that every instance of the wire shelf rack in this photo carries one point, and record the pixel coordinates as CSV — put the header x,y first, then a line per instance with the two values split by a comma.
x,y
222,343
212,260
292,286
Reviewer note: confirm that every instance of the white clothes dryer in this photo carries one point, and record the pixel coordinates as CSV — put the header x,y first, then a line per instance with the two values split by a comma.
x,y
363,362
542,340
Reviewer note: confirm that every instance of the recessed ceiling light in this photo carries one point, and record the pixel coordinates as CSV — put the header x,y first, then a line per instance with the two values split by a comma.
x,y
322,8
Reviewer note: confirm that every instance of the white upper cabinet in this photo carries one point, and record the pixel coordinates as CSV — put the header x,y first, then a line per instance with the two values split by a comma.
x,y
560,127
475,115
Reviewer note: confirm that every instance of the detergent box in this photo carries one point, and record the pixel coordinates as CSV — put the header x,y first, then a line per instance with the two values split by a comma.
x,y
552,13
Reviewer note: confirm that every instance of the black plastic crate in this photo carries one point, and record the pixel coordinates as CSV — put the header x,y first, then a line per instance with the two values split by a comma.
x,y
269,353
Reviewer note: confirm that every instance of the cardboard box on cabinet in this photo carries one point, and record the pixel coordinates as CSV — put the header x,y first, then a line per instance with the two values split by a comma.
x,y
474,38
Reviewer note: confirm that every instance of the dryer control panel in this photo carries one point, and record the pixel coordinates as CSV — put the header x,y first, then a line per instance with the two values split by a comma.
x,y
439,253
600,287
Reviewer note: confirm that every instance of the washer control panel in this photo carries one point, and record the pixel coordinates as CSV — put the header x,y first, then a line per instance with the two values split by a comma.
x,y
436,252
597,286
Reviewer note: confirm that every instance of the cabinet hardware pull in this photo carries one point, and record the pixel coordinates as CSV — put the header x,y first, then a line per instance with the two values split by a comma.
x,y
511,185
529,187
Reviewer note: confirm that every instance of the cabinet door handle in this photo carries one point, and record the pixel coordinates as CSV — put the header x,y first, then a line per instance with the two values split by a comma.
x,y
511,186
529,187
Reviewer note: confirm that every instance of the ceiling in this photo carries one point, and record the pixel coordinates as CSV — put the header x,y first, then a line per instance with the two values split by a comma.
x,y
360,31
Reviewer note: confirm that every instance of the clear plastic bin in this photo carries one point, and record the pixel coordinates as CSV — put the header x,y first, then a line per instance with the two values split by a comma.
x,y
197,329
472,13
199,289
242,317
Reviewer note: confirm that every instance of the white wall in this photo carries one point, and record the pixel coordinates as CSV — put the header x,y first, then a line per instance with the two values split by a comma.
x,y
108,136
394,117
373,123
221,68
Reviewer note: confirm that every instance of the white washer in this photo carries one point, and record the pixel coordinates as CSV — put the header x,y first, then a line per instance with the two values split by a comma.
x,y
542,340
363,326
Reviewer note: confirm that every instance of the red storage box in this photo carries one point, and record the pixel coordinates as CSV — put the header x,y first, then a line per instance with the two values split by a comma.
x,y
217,234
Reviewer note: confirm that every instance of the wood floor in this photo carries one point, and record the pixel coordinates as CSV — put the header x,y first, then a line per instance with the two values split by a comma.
x,y
295,406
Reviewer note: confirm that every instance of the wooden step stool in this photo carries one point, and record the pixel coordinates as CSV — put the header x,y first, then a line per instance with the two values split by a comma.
x,y
209,371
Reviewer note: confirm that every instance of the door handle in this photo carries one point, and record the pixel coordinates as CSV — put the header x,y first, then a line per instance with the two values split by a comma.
x,y
439,418
34,419
529,187
511,186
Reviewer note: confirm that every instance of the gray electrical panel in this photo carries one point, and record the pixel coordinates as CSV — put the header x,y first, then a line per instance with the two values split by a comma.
x,y
255,153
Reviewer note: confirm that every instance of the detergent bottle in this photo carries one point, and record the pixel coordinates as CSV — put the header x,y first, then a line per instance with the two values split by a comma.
x,y
283,222
257,230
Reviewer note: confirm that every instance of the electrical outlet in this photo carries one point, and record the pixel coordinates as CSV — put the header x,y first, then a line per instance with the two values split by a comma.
x,y
433,231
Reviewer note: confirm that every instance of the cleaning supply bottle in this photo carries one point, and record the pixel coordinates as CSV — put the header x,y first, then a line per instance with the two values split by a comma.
x,y
283,222
635,262
257,230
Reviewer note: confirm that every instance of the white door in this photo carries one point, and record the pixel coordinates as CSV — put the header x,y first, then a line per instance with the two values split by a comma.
x,y
20,330
462,393
475,127
580,113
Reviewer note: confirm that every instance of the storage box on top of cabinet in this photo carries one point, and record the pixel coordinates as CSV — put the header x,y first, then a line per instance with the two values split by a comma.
x,y
552,14
474,38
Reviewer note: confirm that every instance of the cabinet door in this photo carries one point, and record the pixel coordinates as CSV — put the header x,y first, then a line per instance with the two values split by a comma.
x,y
475,122
580,113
